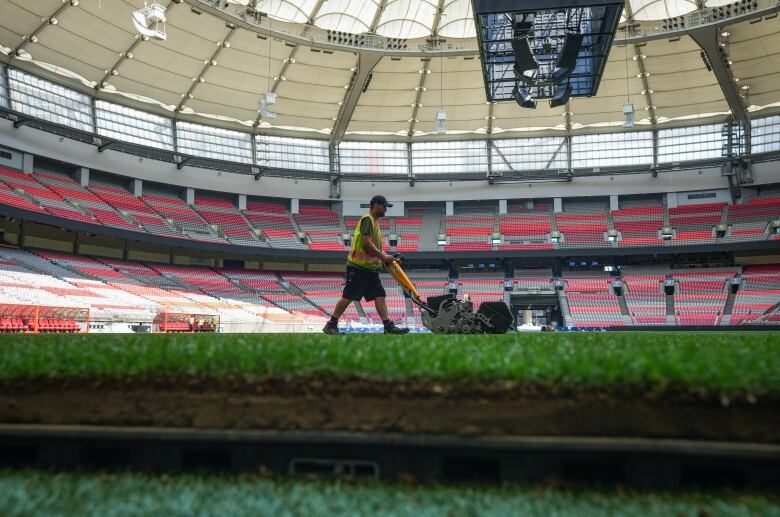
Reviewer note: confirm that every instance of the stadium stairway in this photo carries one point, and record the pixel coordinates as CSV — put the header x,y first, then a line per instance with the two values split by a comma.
x,y
728,308
624,312
565,312
670,309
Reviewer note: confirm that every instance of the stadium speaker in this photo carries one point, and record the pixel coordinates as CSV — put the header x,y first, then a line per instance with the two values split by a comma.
x,y
499,314
523,98
561,95
571,49
523,24
561,74
524,57
528,76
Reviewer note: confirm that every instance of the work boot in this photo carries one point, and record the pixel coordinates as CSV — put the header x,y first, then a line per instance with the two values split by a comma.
x,y
332,329
391,328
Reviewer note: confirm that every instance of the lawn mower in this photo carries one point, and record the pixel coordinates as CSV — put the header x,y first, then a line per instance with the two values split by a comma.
x,y
446,314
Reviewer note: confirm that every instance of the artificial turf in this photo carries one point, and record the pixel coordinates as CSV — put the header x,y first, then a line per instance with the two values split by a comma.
x,y
43,493
746,362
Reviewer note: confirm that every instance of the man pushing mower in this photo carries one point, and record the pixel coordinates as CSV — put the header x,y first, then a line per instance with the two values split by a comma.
x,y
365,260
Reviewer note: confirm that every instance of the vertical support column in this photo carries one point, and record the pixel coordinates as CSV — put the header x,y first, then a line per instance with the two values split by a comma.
x,y
409,163
568,153
529,204
449,208
138,188
295,205
76,242
242,201
125,249
502,206
557,205
27,163
654,166
189,194
22,234
613,202
82,176
671,200
255,161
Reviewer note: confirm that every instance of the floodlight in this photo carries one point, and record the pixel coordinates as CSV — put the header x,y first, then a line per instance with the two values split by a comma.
x,y
147,21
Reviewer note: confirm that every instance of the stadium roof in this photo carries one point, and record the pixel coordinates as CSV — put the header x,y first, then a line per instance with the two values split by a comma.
x,y
214,65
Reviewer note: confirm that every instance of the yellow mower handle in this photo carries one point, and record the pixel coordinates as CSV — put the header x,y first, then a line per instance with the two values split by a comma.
x,y
397,272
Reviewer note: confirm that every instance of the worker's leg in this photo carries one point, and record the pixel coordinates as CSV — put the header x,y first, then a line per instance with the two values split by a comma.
x,y
381,308
340,307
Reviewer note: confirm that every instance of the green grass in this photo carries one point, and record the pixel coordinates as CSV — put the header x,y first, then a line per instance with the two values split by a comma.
x,y
743,362
42,493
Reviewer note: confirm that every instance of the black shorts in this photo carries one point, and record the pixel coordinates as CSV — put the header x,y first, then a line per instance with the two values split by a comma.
x,y
362,283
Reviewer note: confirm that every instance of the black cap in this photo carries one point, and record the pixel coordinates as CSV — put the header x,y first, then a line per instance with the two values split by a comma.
x,y
382,200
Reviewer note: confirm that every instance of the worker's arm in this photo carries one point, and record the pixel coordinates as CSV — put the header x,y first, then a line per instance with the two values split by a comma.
x,y
371,249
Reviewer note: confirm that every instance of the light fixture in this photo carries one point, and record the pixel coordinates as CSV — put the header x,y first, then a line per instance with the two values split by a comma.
x,y
266,100
644,92
725,34
441,121
745,87
53,21
34,38
150,21
129,55
628,113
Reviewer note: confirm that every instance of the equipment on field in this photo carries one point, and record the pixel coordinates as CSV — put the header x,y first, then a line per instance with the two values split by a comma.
x,y
447,315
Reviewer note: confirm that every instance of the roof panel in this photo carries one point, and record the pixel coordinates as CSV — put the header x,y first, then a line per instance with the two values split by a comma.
x,y
353,16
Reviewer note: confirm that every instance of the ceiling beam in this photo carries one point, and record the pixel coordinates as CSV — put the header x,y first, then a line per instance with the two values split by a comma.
x,y
638,57
38,30
707,39
127,54
291,56
366,63
212,61
377,16
426,69
645,85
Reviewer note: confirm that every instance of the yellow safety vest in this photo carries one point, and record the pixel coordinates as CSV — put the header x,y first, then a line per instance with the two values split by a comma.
x,y
358,255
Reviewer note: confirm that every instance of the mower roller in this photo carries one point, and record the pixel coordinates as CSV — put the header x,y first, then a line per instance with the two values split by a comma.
x,y
447,315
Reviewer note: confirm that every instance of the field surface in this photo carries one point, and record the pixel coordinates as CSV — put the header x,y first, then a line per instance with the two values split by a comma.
x,y
712,385
41,493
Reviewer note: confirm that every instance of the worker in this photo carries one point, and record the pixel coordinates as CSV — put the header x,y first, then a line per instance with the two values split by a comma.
x,y
364,262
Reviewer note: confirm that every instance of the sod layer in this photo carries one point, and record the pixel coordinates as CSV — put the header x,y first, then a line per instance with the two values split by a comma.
x,y
660,385
41,493
743,363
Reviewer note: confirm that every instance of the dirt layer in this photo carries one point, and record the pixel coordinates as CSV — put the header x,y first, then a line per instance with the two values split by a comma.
x,y
317,404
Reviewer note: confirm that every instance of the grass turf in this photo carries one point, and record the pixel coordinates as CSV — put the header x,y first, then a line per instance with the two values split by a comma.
x,y
43,493
747,362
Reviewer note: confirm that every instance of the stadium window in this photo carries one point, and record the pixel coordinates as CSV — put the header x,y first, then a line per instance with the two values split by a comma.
x,y
765,134
373,158
528,154
612,149
690,143
133,126
292,153
213,142
449,157
49,101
